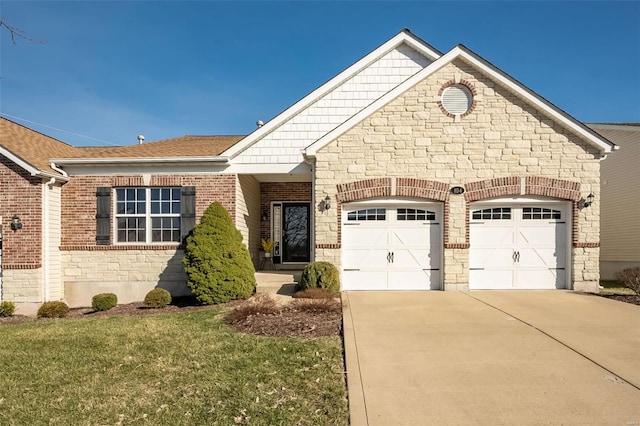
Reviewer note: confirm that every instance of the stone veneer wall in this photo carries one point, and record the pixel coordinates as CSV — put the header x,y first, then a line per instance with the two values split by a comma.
x,y
130,274
502,137
22,285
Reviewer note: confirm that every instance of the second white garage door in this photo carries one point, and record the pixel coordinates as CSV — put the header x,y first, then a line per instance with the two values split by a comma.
x,y
518,245
391,246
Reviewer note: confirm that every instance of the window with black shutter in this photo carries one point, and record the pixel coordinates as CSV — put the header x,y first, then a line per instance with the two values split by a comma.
x,y
103,216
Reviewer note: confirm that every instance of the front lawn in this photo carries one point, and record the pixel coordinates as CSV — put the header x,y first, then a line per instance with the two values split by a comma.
x,y
183,368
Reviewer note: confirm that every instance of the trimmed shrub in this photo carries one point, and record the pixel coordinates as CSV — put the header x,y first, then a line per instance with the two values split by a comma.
x,y
320,275
157,298
217,263
630,277
53,310
104,301
315,293
316,305
7,309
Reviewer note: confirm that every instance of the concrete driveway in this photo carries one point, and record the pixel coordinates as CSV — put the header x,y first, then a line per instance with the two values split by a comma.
x,y
543,357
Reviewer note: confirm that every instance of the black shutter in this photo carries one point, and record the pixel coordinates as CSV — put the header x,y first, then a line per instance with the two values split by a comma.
x,y
188,211
103,216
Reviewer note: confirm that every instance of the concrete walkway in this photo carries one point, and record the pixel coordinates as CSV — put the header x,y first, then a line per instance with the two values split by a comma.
x,y
437,358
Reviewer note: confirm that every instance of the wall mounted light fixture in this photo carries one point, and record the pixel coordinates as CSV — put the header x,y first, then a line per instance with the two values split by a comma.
x,y
16,223
327,202
265,217
584,203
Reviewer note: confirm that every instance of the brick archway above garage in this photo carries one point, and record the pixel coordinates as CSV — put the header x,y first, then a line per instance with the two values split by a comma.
x,y
392,187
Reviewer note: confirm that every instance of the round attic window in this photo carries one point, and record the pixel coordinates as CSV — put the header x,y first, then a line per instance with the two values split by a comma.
x,y
457,99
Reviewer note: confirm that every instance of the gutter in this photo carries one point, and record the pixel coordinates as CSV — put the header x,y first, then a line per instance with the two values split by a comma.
x,y
139,160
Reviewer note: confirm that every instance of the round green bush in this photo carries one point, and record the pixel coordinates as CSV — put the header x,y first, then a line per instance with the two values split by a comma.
x,y
320,275
104,301
217,263
7,308
157,298
53,310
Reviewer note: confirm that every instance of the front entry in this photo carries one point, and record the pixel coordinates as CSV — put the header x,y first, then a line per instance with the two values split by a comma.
x,y
292,232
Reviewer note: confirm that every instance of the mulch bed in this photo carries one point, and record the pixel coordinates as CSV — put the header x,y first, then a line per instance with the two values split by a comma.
x,y
288,322
129,310
291,322
633,299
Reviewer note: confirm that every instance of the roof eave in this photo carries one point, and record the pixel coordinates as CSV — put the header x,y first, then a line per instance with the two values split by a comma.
x,y
30,168
140,160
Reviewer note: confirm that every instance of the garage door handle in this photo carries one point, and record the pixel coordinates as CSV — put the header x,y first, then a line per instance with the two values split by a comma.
x,y
388,257
516,256
391,257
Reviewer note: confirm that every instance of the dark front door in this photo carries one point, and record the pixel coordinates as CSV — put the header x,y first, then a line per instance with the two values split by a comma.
x,y
295,232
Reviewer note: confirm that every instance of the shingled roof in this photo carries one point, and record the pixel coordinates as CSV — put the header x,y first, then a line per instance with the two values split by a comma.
x,y
184,146
32,147
37,149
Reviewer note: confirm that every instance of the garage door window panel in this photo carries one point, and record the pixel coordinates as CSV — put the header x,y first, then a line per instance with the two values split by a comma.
x,y
492,214
415,214
367,215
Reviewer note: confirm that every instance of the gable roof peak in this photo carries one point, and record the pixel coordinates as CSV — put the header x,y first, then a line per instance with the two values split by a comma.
x,y
405,36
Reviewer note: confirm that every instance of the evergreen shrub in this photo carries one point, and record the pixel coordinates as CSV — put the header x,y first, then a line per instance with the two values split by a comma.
x,y
217,263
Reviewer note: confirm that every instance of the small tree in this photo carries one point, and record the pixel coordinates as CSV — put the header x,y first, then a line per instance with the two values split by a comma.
x,y
217,263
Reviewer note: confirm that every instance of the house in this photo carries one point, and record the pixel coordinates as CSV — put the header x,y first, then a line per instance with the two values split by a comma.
x,y
620,188
410,170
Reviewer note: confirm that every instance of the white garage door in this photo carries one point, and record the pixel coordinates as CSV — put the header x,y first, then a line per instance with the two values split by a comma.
x,y
393,247
518,246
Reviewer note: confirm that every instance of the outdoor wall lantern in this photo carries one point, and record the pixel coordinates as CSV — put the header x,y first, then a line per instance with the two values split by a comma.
x,y
15,222
265,217
327,202
583,204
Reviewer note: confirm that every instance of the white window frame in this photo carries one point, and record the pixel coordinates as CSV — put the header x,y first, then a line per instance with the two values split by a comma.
x,y
148,216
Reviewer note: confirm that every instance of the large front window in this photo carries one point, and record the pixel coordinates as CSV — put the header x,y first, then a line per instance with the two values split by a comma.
x,y
147,215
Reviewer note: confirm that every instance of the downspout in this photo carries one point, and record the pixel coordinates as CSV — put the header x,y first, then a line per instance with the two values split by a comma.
x,y
45,238
57,169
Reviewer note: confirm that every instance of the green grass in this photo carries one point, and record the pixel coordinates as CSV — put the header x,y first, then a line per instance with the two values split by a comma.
x,y
615,287
186,368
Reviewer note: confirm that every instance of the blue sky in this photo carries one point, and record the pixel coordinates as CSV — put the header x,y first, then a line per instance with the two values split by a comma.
x,y
113,70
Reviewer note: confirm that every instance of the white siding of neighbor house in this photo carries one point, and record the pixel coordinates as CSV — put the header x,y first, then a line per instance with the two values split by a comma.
x,y
248,213
53,279
284,144
620,203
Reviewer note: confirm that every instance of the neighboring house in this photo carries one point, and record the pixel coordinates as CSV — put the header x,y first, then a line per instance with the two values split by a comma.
x,y
410,170
620,187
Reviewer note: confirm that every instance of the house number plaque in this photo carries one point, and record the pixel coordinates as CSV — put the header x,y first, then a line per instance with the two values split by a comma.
x,y
457,190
